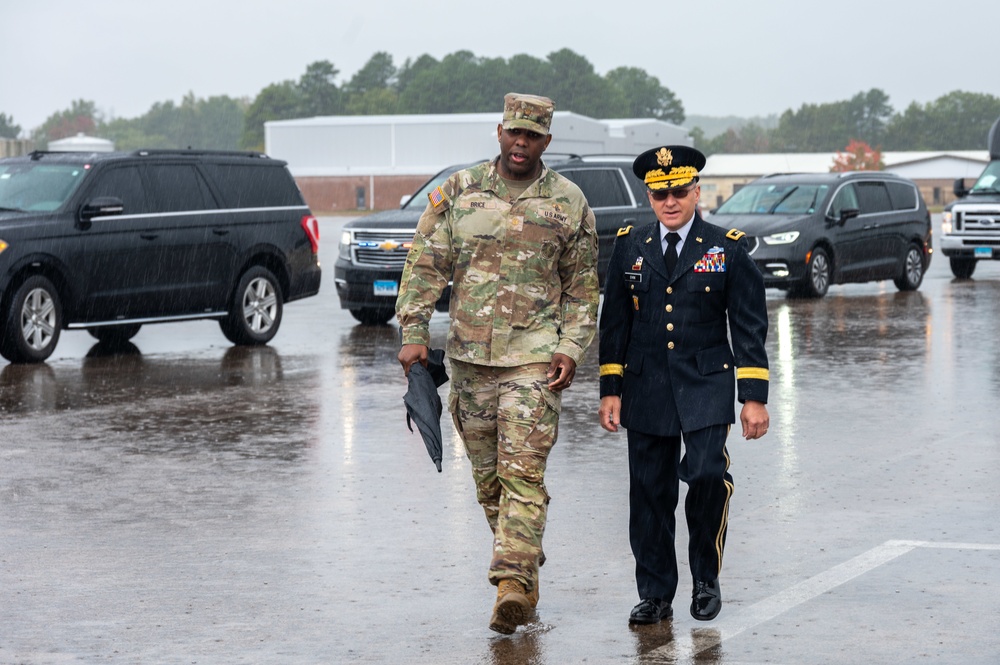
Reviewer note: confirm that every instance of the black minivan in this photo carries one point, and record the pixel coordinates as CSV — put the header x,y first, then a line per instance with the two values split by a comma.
x,y
109,242
810,230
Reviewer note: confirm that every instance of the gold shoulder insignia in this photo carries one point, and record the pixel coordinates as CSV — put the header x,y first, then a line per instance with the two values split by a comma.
x,y
625,230
735,234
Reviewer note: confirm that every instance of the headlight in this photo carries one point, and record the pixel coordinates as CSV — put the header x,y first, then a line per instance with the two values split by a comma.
x,y
946,222
3,245
781,238
345,245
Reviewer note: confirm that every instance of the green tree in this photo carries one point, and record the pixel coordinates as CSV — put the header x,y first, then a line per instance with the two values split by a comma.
x,y
827,127
376,74
378,101
577,87
278,101
411,69
749,138
8,130
81,117
955,121
643,96
318,91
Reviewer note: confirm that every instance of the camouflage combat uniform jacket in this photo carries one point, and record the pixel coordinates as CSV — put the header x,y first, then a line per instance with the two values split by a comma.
x,y
524,272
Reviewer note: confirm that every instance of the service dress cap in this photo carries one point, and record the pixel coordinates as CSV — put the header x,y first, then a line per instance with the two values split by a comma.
x,y
527,112
669,166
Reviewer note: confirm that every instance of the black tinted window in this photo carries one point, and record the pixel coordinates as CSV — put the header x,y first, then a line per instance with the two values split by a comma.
x,y
123,183
846,199
258,186
902,195
177,187
602,187
873,197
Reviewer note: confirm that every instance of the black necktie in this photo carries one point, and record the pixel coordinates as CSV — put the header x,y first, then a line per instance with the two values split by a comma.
x,y
670,253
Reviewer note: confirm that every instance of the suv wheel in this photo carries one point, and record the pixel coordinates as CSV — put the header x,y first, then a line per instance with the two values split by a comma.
x,y
913,270
113,335
817,280
962,268
373,316
255,313
32,322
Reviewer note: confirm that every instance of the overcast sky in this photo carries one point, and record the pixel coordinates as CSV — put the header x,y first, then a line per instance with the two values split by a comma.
x,y
720,57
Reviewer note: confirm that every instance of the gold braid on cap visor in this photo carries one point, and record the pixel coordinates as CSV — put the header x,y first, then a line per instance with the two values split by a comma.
x,y
678,177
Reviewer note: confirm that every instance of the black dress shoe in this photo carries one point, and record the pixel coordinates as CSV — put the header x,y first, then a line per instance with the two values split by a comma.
x,y
650,610
706,600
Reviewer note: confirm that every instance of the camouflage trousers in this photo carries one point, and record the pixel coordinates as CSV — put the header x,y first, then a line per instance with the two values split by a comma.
x,y
508,419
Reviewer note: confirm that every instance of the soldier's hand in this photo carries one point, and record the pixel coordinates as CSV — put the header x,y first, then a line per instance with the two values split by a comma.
x,y
755,419
610,412
561,371
412,353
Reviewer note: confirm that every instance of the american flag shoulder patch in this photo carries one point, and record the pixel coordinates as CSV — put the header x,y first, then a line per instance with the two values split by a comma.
x,y
437,197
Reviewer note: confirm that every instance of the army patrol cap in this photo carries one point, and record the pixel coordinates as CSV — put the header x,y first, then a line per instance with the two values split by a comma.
x,y
669,166
527,112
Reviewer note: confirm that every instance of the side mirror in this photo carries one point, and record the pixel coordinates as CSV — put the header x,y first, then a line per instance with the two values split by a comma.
x,y
848,213
959,188
101,206
404,199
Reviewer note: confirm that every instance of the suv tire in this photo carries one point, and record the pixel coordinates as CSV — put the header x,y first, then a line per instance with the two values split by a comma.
x,y
32,322
373,316
255,312
962,268
913,270
114,335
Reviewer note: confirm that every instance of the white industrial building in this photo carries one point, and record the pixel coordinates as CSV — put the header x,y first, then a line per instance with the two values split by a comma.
x,y
346,162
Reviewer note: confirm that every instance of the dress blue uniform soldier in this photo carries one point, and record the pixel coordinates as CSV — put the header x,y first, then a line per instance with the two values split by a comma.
x,y
676,293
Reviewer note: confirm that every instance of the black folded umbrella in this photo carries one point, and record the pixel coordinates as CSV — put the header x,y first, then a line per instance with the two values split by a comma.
x,y
423,405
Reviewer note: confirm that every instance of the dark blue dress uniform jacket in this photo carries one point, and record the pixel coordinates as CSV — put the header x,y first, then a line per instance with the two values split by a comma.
x,y
663,342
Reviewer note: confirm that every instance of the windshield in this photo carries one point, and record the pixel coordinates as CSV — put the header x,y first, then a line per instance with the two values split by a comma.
x,y
419,199
989,181
32,187
774,199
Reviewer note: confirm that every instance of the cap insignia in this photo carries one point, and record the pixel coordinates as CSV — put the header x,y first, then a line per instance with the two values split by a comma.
x,y
664,157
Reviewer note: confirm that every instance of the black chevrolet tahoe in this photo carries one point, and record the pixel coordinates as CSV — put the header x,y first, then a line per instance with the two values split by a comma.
x,y
108,242
373,249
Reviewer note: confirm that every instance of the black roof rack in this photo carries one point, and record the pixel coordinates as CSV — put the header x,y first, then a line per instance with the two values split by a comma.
x,y
143,152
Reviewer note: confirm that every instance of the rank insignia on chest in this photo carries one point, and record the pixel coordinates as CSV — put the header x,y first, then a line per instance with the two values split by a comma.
x,y
516,223
713,261
638,264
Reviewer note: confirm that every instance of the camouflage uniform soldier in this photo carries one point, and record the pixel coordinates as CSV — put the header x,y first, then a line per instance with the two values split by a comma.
x,y
520,245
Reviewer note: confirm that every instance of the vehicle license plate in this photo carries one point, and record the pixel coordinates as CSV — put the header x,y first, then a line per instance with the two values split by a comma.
x,y
984,252
386,287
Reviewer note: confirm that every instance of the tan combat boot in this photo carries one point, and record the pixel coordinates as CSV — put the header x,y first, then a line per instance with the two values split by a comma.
x,y
512,607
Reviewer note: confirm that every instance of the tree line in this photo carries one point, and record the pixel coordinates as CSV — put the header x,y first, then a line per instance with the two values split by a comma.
x,y
461,82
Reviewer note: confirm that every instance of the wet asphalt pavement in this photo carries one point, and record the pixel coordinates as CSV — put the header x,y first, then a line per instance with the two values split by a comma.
x,y
184,501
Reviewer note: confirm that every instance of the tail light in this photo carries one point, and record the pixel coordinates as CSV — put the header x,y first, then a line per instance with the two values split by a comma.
x,y
311,226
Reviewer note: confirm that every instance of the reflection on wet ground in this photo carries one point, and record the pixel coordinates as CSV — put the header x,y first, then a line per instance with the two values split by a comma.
x,y
162,405
174,500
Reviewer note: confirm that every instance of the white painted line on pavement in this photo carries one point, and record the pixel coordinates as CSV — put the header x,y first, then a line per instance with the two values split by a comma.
x,y
685,649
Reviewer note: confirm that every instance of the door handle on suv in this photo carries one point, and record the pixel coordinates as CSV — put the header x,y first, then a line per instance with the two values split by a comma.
x,y
220,232
149,236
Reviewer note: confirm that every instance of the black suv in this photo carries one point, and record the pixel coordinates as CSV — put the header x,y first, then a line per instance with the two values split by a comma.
x,y
810,230
373,249
111,241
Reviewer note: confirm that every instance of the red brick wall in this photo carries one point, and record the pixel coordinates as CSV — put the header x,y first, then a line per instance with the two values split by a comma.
x,y
340,193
